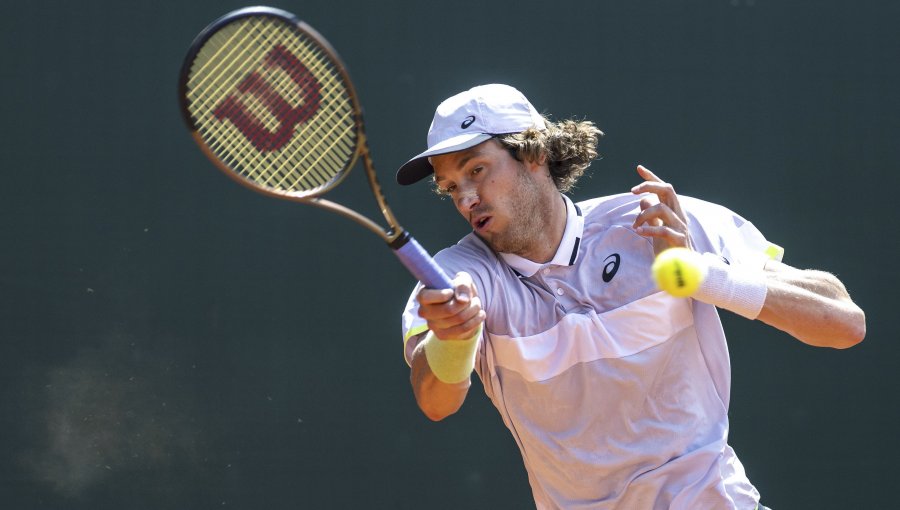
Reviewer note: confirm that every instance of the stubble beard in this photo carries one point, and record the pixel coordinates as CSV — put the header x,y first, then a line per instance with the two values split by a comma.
x,y
527,219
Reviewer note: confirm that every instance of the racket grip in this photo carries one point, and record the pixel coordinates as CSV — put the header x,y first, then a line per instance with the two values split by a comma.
x,y
420,263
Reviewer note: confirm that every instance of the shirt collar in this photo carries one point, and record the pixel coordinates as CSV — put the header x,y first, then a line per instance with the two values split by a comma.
x,y
568,247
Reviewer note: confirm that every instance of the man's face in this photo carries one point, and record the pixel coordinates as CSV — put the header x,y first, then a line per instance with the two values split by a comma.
x,y
500,197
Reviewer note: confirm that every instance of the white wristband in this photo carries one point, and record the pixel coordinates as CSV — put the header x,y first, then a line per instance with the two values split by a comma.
x,y
737,288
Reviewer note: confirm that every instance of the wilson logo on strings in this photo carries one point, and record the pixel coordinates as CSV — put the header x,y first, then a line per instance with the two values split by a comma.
x,y
263,138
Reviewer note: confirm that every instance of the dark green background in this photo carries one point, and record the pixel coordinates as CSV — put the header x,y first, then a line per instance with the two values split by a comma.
x,y
172,340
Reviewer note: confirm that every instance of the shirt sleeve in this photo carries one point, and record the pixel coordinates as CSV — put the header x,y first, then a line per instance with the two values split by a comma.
x,y
411,323
718,230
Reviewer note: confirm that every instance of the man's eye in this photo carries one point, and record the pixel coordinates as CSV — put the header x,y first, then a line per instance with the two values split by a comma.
x,y
477,170
450,189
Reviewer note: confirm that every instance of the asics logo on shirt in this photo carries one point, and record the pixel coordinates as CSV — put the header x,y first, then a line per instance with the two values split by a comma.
x,y
610,267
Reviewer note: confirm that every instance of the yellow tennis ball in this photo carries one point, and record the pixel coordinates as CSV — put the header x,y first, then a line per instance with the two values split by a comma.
x,y
678,271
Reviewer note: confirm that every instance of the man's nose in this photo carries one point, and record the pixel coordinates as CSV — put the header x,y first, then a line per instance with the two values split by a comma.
x,y
468,198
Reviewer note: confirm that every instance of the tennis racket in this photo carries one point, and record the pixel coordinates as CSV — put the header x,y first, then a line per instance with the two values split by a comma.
x,y
269,101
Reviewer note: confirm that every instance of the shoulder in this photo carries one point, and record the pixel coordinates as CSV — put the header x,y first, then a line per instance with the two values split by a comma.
x,y
612,209
471,255
609,205
622,208
720,230
704,209
710,216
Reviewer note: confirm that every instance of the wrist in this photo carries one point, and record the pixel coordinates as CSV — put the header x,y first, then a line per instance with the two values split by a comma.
x,y
451,361
734,287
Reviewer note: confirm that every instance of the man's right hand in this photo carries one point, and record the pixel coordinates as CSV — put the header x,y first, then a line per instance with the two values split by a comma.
x,y
452,314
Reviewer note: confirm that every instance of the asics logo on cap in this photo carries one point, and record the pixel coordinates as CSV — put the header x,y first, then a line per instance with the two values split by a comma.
x,y
467,122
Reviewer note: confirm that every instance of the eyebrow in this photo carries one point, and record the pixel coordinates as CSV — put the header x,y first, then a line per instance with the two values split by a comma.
x,y
473,153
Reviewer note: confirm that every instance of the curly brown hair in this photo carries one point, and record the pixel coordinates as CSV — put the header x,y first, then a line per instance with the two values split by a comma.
x,y
569,145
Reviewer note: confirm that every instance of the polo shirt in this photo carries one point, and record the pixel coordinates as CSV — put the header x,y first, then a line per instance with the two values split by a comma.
x,y
616,393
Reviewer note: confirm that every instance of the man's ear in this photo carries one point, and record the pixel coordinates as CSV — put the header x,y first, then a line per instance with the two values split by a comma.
x,y
540,162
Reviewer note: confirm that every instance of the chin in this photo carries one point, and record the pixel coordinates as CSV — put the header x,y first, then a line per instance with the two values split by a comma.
x,y
488,240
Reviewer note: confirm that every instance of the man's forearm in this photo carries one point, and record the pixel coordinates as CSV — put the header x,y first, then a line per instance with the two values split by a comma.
x,y
435,398
812,306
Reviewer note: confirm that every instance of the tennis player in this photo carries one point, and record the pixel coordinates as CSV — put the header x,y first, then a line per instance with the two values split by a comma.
x,y
616,393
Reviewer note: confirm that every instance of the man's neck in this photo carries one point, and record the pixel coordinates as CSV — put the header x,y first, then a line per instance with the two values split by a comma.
x,y
547,241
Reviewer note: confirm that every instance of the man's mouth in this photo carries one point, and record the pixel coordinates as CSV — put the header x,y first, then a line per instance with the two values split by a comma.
x,y
480,223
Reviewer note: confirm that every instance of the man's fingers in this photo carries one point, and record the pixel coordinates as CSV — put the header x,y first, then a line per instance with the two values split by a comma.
x,y
653,184
649,201
447,308
672,236
463,288
664,190
451,312
646,174
660,222
657,215
428,296
456,326
461,331
661,217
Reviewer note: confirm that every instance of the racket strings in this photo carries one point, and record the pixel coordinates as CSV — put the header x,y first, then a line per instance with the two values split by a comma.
x,y
287,174
315,169
289,120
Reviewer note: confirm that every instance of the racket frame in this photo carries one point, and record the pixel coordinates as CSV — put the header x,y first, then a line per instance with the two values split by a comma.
x,y
408,250
313,197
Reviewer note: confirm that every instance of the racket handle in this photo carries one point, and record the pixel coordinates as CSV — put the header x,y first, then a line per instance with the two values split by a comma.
x,y
420,263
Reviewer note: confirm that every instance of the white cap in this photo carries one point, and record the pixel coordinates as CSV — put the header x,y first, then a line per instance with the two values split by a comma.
x,y
469,118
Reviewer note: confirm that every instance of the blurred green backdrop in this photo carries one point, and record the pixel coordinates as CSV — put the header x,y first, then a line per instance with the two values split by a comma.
x,y
170,340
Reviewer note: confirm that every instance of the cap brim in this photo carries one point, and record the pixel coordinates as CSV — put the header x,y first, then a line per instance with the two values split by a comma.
x,y
418,167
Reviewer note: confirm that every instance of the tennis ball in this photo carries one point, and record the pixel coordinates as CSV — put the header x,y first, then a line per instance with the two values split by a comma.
x,y
678,271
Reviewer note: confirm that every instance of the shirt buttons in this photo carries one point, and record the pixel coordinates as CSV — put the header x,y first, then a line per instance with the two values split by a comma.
x,y
560,292
546,270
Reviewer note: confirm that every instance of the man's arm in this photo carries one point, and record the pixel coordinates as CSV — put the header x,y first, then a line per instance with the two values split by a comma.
x,y
441,360
812,306
435,398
